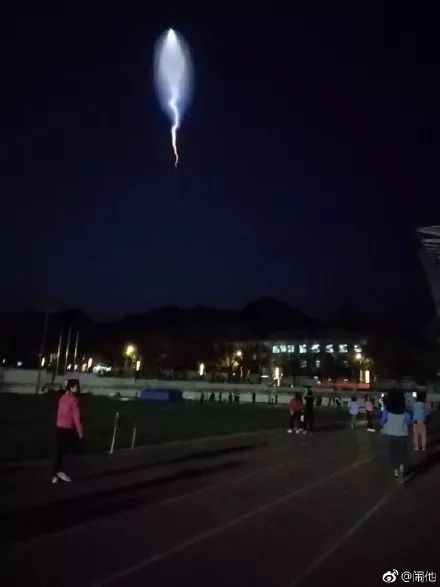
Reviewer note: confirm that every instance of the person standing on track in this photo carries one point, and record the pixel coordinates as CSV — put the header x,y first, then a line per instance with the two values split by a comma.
x,y
396,420
353,409
369,412
296,414
69,428
309,411
419,421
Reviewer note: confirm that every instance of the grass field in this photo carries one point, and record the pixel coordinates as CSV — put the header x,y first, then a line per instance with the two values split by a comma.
x,y
27,422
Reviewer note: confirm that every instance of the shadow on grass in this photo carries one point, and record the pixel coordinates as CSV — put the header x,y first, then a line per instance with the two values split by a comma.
x,y
27,523
196,456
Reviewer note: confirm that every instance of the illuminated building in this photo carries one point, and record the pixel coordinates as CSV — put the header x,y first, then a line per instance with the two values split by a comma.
x,y
289,354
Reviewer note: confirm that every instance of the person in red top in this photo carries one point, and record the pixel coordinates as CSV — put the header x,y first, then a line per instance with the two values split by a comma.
x,y
69,427
296,411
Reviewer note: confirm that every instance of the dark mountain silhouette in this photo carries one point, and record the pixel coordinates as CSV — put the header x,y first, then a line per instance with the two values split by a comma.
x,y
170,336
155,330
173,316
351,319
266,315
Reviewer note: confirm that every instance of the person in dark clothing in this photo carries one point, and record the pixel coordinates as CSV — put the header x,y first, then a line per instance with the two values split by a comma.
x,y
396,420
369,412
309,411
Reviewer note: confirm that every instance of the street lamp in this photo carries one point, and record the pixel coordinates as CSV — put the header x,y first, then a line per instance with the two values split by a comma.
x,y
130,350
277,375
358,358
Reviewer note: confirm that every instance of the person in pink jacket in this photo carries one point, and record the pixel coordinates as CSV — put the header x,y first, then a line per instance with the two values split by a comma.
x,y
69,427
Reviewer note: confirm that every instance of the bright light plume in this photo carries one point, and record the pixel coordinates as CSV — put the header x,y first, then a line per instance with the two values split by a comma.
x,y
173,75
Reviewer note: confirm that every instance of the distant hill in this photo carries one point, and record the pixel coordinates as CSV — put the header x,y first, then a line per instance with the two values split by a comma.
x,y
267,315
20,334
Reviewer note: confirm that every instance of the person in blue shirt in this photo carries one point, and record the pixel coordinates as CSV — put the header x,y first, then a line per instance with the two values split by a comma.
x,y
419,421
353,410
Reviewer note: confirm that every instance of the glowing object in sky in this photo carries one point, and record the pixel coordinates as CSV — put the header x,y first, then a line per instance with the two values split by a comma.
x,y
173,73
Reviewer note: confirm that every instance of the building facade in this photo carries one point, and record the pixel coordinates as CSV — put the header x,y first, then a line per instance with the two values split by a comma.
x,y
282,358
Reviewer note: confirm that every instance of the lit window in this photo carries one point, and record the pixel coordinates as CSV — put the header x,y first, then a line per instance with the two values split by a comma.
x,y
329,348
302,348
343,348
357,348
303,364
318,363
275,349
290,348
283,348
315,348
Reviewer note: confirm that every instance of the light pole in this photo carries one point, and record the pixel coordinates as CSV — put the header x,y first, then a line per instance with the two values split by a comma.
x,y
42,347
359,359
60,341
69,332
75,353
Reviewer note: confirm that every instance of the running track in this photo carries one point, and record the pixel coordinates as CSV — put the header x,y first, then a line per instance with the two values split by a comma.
x,y
262,509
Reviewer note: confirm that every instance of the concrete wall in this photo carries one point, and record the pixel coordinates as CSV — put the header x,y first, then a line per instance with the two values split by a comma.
x,y
24,381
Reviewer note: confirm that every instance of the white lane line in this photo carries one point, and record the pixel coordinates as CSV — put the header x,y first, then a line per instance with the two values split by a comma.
x,y
147,562
336,545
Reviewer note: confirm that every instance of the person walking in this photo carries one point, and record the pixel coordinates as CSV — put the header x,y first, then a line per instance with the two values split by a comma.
x,y
396,420
419,421
353,410
296,414
369,412
68,428
309,411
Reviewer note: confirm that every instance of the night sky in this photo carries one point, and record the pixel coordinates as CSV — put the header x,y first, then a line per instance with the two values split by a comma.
x,y
308,157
